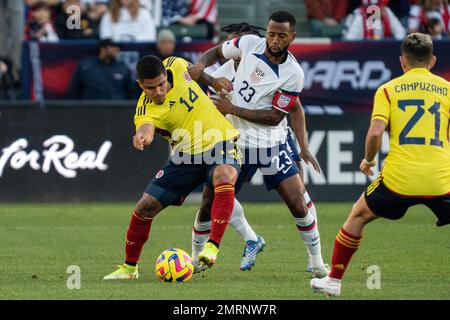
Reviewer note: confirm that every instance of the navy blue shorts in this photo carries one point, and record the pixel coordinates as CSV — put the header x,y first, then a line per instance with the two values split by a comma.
x,y
276,165
184,173
292,146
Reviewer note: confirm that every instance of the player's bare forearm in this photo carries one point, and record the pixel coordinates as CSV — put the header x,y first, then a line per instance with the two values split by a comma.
x,y
270,117
298,122
374,139
206,79
210,57
144,136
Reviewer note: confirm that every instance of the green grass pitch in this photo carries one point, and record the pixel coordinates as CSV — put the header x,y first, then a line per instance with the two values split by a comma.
x,y
40,241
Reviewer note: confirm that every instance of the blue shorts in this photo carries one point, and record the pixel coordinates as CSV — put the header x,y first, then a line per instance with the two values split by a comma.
x,y
173,183
276,165
292,146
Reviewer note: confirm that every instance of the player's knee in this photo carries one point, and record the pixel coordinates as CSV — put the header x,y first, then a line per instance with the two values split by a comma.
x,y
299,208
148,207
361,213
225,175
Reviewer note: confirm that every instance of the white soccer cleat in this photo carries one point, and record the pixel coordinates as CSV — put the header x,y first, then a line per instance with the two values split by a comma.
x,y
321,272
328,286
198,266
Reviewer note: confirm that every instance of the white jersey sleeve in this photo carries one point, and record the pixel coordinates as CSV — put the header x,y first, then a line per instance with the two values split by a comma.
x,y
234,48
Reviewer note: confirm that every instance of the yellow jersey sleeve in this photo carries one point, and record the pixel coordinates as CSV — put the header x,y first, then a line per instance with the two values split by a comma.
x,y
177,65
142,116
381,105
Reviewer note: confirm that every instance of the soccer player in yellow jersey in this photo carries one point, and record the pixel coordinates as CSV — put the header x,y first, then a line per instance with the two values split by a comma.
x,y
204,151
415,108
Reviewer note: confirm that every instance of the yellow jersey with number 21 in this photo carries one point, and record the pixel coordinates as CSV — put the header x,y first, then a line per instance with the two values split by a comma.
x,y
416,107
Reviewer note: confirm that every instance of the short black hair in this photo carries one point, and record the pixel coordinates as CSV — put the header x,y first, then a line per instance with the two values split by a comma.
x,y
417,48
243,27
283,16
149,67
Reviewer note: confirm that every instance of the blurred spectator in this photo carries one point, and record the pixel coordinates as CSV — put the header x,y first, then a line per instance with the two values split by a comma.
x,y
39,27
127,21
12,32
102,77
95,9
9,80
155,8
53,6
361,24
63,22
323,14
189,13
166,45
425,10
173,11
401,9
434,29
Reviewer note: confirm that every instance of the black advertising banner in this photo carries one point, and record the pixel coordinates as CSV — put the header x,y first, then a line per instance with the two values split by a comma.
x,y
74,154
84,153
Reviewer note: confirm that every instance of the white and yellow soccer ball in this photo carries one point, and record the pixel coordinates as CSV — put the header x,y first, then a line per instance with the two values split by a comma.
x,y
174,265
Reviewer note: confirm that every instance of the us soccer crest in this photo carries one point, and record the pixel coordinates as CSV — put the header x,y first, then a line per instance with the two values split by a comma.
x,y
283,101
257,75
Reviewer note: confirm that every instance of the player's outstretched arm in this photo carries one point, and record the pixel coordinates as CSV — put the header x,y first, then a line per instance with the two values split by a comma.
x,y
270,117
144,136
219,84
208,58
298,122
373,144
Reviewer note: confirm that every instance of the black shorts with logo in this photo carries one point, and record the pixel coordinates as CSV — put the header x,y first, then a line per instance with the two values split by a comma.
x,y
387,204
184,173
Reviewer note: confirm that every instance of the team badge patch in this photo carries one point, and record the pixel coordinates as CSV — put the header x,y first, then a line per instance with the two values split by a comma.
x,y
283,101
159,174
257,75
187,77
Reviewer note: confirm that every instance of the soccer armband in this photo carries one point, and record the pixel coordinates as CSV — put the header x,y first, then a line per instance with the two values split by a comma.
x,y
284,101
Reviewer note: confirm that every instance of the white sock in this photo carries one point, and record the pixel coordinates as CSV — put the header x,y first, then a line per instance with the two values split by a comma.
x,y
200,234
239,223
312,209
307,228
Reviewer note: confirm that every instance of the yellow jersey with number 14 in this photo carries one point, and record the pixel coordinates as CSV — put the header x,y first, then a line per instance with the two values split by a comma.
x,y
188,119
416,107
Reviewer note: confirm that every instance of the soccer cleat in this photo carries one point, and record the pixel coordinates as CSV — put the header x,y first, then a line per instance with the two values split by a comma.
x,y
124,272
208,255
328,286
321,272
198,267
251,250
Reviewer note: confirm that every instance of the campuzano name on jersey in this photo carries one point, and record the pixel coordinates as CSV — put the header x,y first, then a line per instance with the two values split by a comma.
x,y
260,84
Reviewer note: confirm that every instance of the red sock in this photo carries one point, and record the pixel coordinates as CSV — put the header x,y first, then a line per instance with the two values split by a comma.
x,y
345,246
137,235
221,211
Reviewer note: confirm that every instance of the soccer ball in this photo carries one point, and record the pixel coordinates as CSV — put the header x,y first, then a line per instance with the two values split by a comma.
x,y
174,265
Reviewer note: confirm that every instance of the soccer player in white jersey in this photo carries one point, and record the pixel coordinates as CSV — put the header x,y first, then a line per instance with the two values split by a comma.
x,y
267,84
254,243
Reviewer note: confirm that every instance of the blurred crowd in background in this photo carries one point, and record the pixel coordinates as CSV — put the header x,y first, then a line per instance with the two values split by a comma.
x,y
350,19
111,21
